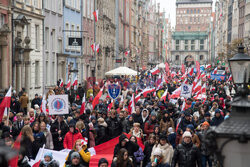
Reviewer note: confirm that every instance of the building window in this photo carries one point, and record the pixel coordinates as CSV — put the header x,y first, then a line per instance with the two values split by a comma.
x,y
59,48
186,44
194,19
192,44
59,6
190,19
27,2
188,11
177,44
177,57
201,57
201,44
191,11
198,19
47,73
36,4
53,73
198,10
37,36
194,10
2,20
53,39
37,73
46,38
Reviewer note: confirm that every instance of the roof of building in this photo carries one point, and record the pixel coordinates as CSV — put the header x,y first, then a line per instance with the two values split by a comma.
x,y
193,1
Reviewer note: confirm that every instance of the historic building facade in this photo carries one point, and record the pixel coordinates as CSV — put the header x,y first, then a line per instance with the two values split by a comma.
x,y
54,61
28,46
191,36
5,45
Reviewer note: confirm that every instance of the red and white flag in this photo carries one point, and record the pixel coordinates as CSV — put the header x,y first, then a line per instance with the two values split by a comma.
x,y
191,72
127,52
230,78
131,107
96,13
61,83
147,90
155,70
82,110
96,99
215,71
164,96
197,87
95,47
14,161
137,97
183,105
197,67
110,105
75,82
43,105
208,66
167,68
68,85
176,93
5,103
195,82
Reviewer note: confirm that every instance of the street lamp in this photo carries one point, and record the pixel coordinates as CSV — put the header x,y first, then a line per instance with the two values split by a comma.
x,y
230,140
92,67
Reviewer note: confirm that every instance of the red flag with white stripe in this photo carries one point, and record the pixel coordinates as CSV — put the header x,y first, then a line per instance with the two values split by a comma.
x,y
5,103
110,105
215,71
230,78
137,97
127,52
197,87
176,93
61,83
96,99
197,67
164,96
75,82
131,107
13,162
191,72
182,69
147,90
68,85
155,70
208,66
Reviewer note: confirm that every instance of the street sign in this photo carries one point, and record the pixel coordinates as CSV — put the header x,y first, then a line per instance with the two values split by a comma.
x,y
114,90
75,41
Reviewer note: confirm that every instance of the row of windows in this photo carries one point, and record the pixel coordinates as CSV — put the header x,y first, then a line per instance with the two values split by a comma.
x,y
76,4
177,57
193,11
187,46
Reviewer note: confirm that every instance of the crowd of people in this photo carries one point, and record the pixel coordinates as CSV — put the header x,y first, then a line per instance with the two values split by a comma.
x,y
172,130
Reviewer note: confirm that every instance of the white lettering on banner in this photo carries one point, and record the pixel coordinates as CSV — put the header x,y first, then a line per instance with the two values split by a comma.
x,y
186,90
58,105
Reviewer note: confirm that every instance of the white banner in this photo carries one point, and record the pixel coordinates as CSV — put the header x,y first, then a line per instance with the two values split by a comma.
x,y
186,90
58,104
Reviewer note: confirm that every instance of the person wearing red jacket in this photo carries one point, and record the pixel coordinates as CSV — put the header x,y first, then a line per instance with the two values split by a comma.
x,y
150,124
71,137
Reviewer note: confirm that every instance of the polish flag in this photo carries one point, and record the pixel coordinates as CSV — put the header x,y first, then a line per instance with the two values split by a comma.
x,y
164,96
43,105
208,66
195,82
183,105
186,81
208,75
215,71
167,68
96,99
5,104
68,85
155,70
191,72
202,75
184,76
182,69
137,97
147,90
127,52
131,107
93,47
75,82
173,74
82,110
197,87
13,162
95,13
97,48
197,67
224,73
37,164
176,93
110,105
61,83
230,78
203,89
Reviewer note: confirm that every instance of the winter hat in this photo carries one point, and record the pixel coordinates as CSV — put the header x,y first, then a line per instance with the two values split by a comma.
x,y
101,120
103,161
217,111
36,106
157,151
92,118
187,134
190,126
75,155
77,96
48,154
205,123
170,130
196,114
187,113
207,114
153,114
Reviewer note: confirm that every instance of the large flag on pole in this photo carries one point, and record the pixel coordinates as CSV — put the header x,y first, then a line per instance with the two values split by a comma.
x,y
96,13
13,162
131,106
68,85
5,103
61,83
164,96
155,70
96,99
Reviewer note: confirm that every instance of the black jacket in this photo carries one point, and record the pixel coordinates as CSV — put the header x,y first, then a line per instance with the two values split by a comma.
x,y
147,153
23,162
27,145
217,121
35,101
114,127
40,140
184,122
101,135
186,155
130,146
138,119
58,145
15,106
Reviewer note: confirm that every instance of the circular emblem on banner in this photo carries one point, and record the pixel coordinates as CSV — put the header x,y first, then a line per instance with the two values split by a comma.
x,y
114,90
58,104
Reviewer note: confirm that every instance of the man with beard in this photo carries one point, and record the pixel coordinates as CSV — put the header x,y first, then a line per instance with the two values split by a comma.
x,y
186,153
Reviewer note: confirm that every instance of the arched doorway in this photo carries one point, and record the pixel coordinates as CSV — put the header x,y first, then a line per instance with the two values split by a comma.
x,y
189,61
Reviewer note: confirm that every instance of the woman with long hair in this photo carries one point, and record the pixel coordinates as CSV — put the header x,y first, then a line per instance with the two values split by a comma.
x,y
49,140
122,160
39,139
27,141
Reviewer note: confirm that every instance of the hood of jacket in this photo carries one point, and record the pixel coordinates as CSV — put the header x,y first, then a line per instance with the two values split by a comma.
x,y
104,124
121,138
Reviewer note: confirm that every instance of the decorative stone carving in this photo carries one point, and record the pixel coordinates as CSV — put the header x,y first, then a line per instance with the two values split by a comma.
x,y
27,41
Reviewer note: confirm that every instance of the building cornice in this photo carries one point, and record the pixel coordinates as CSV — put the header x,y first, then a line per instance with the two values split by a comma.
x,y
28,13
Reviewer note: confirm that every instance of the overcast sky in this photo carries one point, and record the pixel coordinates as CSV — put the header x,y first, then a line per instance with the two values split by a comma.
x,y
169,6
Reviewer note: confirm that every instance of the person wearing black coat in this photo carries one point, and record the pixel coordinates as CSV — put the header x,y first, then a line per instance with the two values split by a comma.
x,y
148,149
39,139
137,117
130,146
186,121
58,130
15,105
186,154
114,125
217,119
101,132
36,100
23,161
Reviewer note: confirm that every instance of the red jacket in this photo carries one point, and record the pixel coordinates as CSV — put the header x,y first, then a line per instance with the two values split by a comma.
x,y
149,127
70,139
